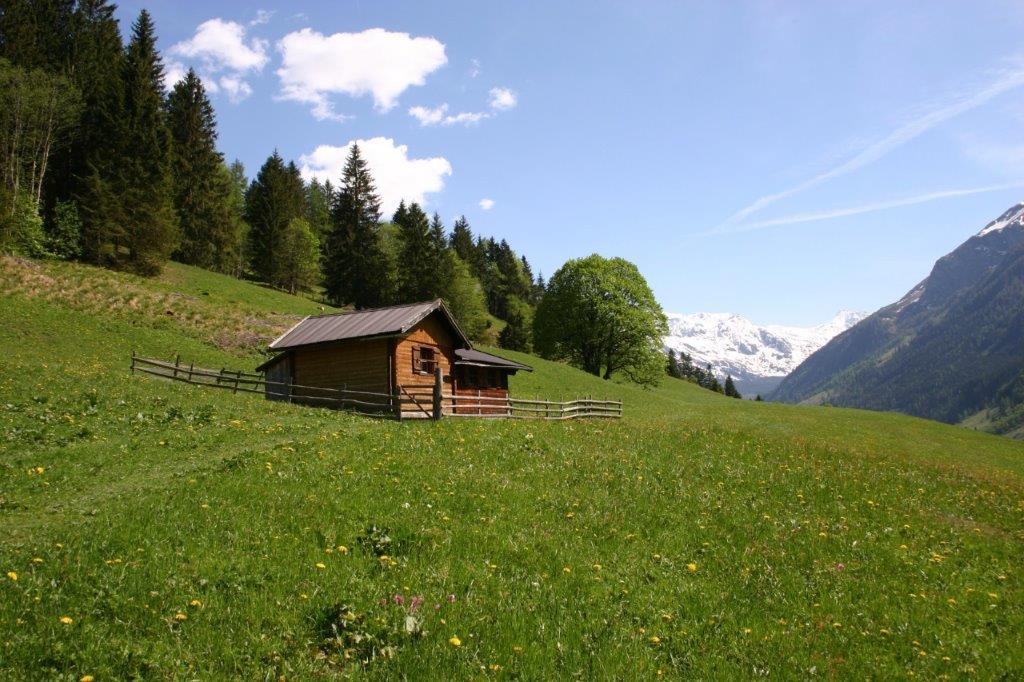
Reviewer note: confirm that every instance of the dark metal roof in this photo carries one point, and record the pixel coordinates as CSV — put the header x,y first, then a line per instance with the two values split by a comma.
x,y
469,356
390,321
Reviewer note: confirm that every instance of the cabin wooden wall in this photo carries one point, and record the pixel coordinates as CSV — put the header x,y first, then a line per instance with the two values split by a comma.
x,y
497,380
358,365
433,332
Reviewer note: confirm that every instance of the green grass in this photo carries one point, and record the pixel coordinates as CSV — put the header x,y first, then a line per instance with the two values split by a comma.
x,y
847,543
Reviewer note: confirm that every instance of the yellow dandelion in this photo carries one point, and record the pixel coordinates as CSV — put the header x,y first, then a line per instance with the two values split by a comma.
x,y
691,567
67,620
597,567
455,641
12,575
747,631
37,560
655,639
179,616
517,650
195,602
321,565
567,569
342,549
666,617
86,678
40,470
494,667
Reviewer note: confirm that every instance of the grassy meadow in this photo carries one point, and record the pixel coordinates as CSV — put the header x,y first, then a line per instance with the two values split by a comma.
x,y
159,530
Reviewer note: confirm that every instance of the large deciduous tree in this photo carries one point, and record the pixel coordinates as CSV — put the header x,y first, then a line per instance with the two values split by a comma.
x,y
600,315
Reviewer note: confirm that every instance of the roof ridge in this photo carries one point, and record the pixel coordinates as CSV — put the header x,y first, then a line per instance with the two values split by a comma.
x,y
370,310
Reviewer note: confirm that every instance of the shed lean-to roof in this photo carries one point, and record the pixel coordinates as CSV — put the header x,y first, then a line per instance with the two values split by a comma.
x,y
470,356
390,321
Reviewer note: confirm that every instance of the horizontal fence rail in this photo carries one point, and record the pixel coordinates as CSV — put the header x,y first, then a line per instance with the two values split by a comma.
x,y
403,403
365,402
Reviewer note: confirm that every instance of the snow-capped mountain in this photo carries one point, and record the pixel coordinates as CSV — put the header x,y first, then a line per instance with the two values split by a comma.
x,y
757,357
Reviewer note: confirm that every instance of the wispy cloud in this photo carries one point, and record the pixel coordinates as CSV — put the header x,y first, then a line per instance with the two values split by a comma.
x,y
863,208
925,119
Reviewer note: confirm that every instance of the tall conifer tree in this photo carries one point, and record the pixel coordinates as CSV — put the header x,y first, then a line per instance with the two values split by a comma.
x,y
356,267
274,198
201,194
145,171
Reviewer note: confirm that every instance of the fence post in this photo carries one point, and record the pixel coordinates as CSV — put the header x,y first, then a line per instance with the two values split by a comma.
x,y
396,402
291,383
177,361
438,390
191,366
133,362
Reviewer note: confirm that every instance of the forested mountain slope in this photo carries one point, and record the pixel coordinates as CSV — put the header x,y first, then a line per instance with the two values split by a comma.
x,y
953,346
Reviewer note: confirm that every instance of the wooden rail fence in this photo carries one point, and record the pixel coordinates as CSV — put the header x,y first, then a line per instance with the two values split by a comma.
x,y
401,403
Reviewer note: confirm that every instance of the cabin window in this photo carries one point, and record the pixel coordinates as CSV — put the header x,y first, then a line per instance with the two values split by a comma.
x,y
424,360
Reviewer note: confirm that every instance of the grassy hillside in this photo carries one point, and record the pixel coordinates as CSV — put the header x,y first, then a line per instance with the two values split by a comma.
x,y
150,529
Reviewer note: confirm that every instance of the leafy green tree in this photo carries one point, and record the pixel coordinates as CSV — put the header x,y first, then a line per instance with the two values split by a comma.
x,y
145,153
672,366
464,296
21,228
600,315
356,268
37,114
64,237
730,388
272,201
299,268
518,331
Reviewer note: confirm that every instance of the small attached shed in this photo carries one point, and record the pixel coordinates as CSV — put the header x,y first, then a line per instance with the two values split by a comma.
x,y
391,351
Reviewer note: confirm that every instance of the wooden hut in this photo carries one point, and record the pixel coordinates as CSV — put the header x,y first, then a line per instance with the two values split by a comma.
x,y
391,351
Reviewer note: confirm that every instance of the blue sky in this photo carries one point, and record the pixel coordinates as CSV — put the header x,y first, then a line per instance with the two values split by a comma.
x,y
778,160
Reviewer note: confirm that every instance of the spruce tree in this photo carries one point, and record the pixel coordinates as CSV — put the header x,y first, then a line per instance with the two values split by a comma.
x,y
273,199
462,240
319,199
92,165
145,170
356,268
208,232
730,388
414,260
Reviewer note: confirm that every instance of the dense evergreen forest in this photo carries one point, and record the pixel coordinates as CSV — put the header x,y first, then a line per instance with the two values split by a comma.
x,y
104,162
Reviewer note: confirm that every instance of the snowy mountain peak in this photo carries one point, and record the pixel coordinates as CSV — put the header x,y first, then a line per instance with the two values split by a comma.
x,y
758,357
1013,217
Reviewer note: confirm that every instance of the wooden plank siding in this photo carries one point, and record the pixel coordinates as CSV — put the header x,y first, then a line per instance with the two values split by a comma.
x,y
435,333
357,365
480,382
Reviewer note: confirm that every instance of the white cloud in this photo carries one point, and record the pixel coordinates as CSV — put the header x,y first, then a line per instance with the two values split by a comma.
x,y
864,208
474,67
429,117
502,99
927,118
439,116
236,88
262,17
220,47
487,204
376,62
396,175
